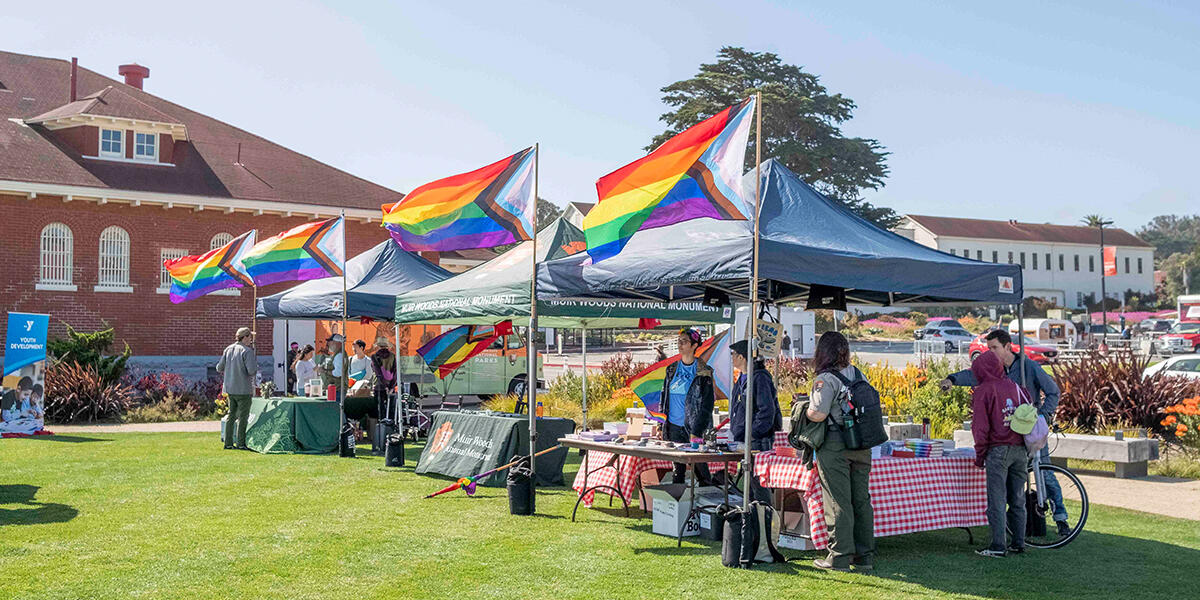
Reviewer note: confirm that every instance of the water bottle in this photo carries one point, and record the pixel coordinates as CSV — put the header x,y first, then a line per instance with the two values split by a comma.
x,y
850,432
540,410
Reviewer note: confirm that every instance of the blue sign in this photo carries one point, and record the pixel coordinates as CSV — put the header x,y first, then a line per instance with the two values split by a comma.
x,y
25,343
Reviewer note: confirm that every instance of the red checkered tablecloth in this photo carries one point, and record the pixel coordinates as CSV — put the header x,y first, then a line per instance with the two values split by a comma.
x,y
907,494
630,469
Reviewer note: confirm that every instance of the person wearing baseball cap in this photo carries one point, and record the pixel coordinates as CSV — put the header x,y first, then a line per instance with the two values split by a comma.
x,y
239,365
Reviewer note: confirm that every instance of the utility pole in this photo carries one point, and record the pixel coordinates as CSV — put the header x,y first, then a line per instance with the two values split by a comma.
x,y
1100,222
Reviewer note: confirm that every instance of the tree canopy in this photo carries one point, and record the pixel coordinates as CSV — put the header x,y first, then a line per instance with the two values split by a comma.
x,y
1170,234
801,124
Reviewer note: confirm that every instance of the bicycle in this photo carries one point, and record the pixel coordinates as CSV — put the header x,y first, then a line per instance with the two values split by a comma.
x,y
1074,504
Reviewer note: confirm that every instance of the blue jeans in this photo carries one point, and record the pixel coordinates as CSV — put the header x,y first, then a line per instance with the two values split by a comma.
x,y
1053,490
1006,468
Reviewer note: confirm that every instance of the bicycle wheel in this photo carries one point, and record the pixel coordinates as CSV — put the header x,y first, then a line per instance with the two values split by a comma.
x,y
1063,521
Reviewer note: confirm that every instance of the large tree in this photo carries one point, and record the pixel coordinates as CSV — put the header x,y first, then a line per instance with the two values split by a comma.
x,y
1171,234
801,124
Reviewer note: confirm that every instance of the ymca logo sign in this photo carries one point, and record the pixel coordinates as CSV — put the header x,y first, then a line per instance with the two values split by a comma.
x,y
441,438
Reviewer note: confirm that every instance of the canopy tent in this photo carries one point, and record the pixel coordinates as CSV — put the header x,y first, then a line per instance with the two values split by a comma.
x,y
373,279
805,240
498,290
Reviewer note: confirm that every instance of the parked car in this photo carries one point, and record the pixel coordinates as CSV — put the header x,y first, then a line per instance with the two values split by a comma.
x,y
952,337
1153,326
1038,353
1184,366
936,324
1183,337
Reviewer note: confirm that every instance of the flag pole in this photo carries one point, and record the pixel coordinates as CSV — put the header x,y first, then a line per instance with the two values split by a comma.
x,y
345,339
530,346
752,329
254,310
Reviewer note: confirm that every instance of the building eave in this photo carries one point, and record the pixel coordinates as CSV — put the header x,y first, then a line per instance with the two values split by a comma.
x,y
178,131
74,193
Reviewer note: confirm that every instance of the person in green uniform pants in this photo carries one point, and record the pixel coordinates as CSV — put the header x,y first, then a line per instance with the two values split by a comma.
x,y
844,473
239,365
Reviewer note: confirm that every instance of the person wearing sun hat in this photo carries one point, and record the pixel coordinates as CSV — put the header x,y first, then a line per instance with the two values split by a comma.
x,y
1001,416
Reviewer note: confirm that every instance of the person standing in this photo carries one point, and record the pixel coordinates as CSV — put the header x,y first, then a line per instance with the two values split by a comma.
x,y
785,347
687,400
239,365
767,417
844,473
292,355
1001,451
304,369
360,362
333,365
1043,392
383,363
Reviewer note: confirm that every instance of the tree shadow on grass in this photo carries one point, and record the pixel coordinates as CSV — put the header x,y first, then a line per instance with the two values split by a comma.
x,y
36,512
71,439
1096,565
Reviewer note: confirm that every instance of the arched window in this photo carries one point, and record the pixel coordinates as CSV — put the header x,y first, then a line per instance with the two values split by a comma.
x,y
220,240
114,257
57,257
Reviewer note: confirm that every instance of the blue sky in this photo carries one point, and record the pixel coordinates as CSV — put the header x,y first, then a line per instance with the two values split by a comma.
x,y
1041,111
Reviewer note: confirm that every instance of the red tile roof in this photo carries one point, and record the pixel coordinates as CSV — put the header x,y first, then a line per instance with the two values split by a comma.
x,y
1025,232
204,164
108,102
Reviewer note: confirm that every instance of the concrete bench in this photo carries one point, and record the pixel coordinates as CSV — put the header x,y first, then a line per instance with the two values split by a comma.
x,y
1131,455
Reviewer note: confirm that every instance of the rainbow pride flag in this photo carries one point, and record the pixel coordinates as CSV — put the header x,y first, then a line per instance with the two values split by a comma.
x,y
309,251
195,276
452,349
648,384
487,207
695,174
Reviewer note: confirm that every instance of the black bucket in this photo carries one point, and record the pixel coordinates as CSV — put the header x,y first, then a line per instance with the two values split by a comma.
x,y
521,496
346,441
394,455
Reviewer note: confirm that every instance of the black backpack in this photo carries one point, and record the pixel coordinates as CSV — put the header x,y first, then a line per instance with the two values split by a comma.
x,y
865,412
749,537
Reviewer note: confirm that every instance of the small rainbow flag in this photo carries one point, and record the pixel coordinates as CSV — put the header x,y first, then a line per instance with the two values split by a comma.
x,y
309,251
695,174
648,384
195,276
487,207
452,349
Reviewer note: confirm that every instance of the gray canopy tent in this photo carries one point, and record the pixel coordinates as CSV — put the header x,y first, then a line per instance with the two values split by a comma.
x,y
809,249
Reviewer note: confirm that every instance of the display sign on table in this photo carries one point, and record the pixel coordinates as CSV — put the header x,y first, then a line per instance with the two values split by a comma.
x,y
22,390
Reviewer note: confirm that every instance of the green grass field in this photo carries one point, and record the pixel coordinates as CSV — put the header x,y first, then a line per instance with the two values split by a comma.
x,y
175,516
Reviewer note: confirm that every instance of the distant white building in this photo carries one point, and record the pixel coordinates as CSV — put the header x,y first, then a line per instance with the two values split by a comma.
x,y
1060,262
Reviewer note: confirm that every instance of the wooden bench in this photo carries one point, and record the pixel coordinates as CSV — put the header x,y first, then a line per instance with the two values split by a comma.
x,y
1131,455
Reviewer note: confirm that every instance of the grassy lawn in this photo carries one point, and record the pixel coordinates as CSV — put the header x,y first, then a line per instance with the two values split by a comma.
x,y
175,516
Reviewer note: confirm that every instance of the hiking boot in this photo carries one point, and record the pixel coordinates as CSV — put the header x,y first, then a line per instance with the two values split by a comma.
x,y
989,553
826,564
1063,529
1016,550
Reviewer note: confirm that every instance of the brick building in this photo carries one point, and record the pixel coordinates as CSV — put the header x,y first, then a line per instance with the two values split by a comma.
x,y
100,181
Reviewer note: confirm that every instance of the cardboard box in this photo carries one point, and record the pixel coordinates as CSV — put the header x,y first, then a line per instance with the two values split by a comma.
x,y
673,502
795,542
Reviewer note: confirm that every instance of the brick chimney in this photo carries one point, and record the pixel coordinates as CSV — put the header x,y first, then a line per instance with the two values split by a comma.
x,y
134,74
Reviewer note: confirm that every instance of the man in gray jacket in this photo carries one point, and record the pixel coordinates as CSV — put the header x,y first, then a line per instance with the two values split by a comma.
x,y
239,365
1043,392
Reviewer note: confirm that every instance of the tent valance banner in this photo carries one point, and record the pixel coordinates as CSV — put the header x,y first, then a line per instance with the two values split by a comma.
x,y
22,390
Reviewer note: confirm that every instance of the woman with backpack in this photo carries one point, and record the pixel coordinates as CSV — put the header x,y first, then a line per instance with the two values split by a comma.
x,y
844,473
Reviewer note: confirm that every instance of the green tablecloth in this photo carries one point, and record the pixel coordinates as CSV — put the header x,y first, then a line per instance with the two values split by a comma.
x,y
466,443
284,425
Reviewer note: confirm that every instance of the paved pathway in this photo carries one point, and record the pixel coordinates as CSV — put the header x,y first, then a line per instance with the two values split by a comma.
x,y
1178,498
183,426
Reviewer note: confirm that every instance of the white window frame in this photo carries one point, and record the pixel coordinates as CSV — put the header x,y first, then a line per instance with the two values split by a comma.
x,y
100,151
114,261
56,259
218,240
153,144
164,277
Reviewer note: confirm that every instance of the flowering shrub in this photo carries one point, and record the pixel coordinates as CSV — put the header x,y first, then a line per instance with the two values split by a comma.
x,y
79,393
1105,391
1182,423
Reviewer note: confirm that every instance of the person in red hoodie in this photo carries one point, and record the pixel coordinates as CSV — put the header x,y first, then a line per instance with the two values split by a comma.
x,y
1002,450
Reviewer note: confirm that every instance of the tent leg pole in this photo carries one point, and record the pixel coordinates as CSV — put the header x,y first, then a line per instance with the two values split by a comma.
x,y
1021,341
585,378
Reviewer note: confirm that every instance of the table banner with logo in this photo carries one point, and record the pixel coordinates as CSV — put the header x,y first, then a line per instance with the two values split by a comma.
x,y
22,390
467,443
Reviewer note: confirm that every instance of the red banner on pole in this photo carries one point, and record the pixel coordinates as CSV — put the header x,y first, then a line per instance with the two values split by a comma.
x,y
1110,261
